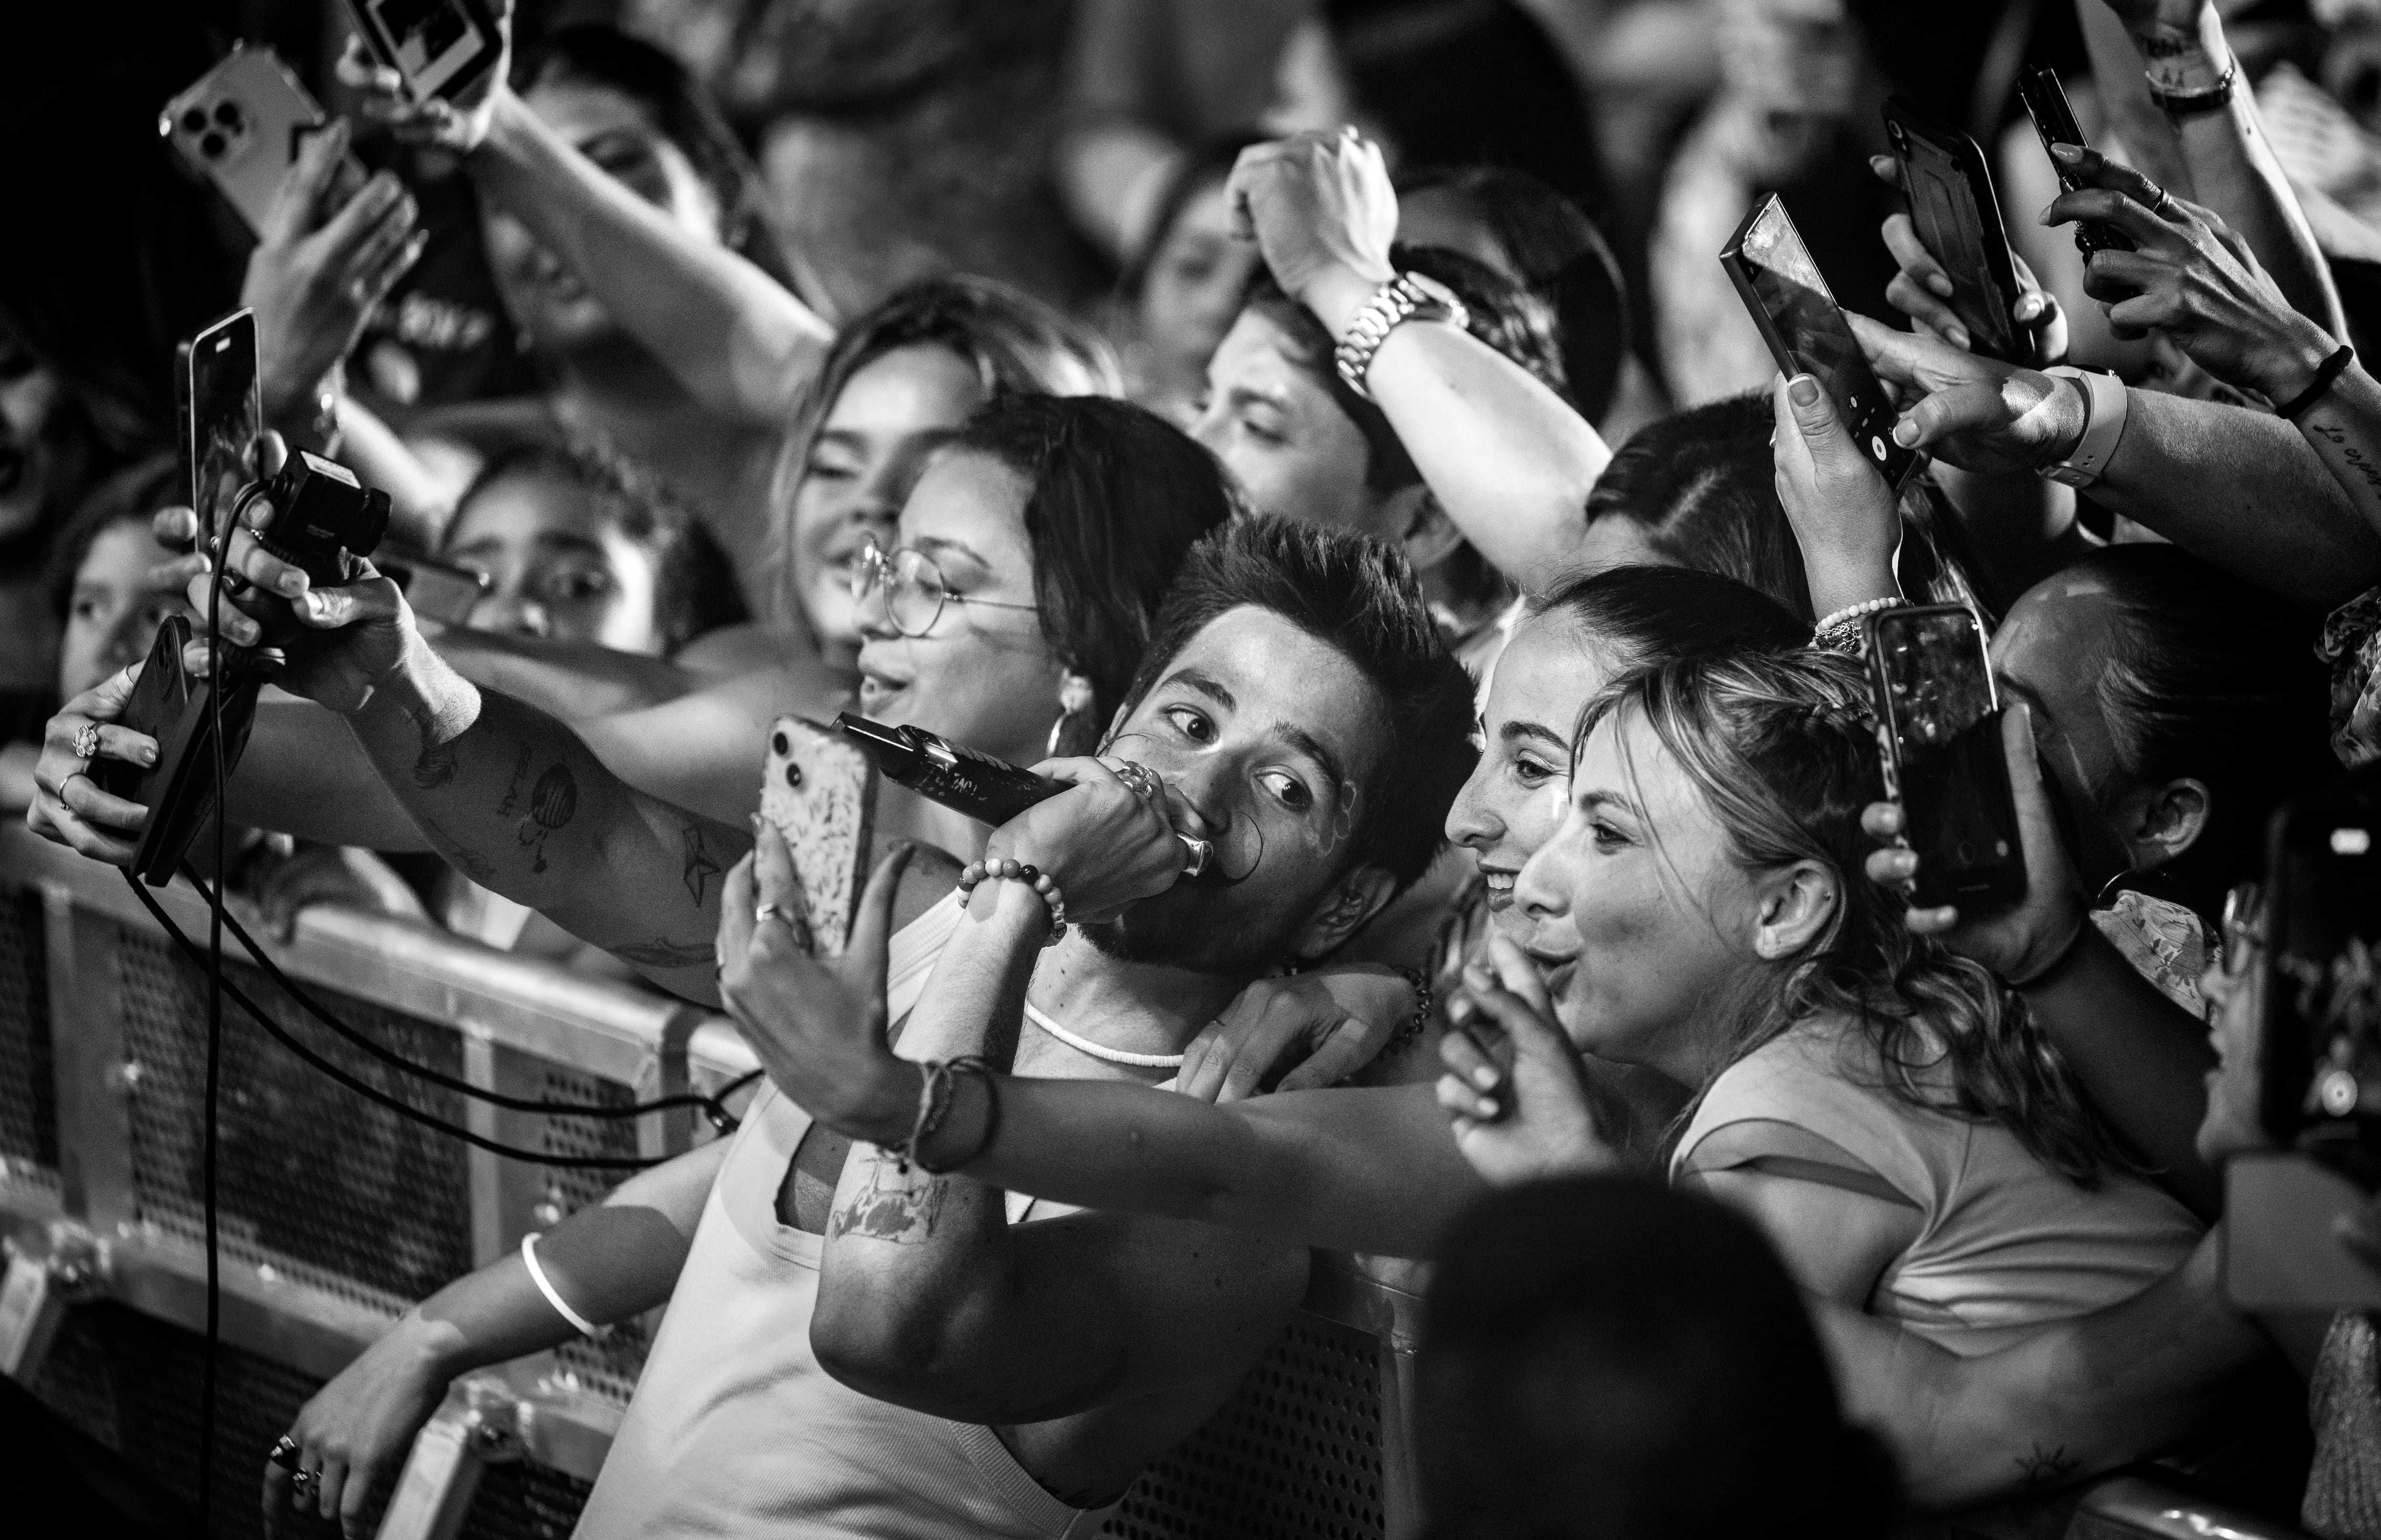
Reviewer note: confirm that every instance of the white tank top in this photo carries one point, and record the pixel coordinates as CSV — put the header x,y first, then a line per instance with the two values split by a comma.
x,y
736,1430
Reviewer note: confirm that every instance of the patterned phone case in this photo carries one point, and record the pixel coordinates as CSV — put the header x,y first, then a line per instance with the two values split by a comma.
x,y
822,792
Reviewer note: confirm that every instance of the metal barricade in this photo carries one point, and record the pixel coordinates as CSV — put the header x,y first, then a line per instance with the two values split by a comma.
x,y
335,1216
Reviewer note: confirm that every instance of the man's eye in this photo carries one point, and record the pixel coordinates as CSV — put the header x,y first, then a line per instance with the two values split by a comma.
x,y
86,609
1193,724
1263,433
1289,790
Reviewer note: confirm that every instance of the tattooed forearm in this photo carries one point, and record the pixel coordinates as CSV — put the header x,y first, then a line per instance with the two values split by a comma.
x,y
2357,463
436,765
511,803
700,867
2040,1467
553,803
891,1205
662,952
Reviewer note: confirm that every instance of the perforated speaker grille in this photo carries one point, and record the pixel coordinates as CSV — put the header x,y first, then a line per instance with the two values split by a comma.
x,y
525,1502
1294,1455
313,1179
609,1367
29,1111
133,1383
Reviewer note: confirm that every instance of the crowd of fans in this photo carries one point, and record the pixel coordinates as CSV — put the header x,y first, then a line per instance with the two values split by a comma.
x,y
1003,372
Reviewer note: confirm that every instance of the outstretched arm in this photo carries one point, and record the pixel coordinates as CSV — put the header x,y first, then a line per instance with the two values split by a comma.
x,y
1508,459
2070,1400
738,340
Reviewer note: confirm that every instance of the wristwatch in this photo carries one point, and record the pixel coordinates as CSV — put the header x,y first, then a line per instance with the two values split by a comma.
x,y
1402,298
2105,405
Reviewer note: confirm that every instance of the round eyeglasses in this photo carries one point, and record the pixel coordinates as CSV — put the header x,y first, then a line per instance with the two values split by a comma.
x,y
914,590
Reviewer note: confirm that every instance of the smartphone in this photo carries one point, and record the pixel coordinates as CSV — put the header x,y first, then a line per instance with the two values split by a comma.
x,y
441,47
2320,1059
1950,191
180,790
241,126
218,414
1807,333
437,590
2280,1250
1939,724
2054,119
820,790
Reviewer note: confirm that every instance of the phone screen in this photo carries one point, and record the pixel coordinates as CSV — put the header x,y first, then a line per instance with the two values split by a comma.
x,y
221,415
2322,1063
431,42
1942,207
1934,698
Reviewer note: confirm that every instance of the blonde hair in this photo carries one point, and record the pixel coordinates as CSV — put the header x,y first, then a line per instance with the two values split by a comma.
x,y
1783,751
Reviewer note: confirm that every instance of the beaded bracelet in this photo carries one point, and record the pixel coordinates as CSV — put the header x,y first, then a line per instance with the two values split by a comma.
x,y
1843,632
1001,869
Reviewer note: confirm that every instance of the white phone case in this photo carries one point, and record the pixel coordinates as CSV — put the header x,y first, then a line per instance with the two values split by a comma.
x,y
241,126
821,791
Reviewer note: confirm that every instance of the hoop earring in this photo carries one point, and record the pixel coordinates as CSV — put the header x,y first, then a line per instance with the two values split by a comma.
x,y
1076,732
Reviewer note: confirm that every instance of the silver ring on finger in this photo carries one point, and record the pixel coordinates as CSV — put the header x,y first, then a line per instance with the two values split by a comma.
x,y
2164,206
1141,778
763,914
299,1483
285,1453
86,741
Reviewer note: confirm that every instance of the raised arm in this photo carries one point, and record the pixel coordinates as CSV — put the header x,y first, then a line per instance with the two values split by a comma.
x,y
738,340
929,1298
1508,459
2209,118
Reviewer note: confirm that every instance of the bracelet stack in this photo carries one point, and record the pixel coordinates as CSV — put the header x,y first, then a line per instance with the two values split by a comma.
x,y
1843,632
936,1092
1424,998
1001,869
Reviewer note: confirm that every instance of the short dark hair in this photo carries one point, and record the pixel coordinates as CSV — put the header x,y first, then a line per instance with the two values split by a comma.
x,y
1360,596
1702,485
1646,614
1119,497
1562,254
1590,1343
2240,704
1502,313
694,588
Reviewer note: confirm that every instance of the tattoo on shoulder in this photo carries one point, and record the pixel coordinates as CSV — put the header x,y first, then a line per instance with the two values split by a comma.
x,y
553,803
662,952
891,1205
700,867
2041,1467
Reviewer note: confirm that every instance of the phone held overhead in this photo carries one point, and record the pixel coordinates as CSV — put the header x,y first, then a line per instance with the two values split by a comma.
x,y
241,125
1949,189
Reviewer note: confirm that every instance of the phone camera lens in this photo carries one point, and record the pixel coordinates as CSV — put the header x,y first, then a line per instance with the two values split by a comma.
x,y
227,114
794,776
194,122
777,744
212,146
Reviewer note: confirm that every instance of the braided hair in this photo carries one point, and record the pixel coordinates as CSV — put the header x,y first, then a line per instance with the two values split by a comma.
x,y
1782,750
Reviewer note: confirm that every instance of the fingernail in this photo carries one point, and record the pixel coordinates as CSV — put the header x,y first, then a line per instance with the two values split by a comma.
x,y
2068,153
1802,390
147,754
1905,432
1488,1107
1485,1078
291,583
2029,307
1957,334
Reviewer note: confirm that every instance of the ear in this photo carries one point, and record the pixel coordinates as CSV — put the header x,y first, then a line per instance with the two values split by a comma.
x,y
2162,822
1351,900
1797,905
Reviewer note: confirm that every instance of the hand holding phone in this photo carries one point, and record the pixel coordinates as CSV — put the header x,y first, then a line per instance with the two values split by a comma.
x,y
1938,728
1958,219
1807,334
2054,121
819,789
245,125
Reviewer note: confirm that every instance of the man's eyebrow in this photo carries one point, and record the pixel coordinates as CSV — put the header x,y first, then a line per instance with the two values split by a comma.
x,y
564,540
1196,679
1308,744
1514,730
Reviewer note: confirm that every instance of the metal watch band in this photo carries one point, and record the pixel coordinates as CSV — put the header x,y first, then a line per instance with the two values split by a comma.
x,y
1394,302
2106,408
2191,104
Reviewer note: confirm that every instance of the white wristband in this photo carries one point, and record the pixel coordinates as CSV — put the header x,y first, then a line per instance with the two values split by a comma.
x,y
579,1323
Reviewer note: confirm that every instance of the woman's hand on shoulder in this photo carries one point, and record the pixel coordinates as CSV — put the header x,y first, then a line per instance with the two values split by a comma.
x,y
2018,942
1526,1110
1314,1029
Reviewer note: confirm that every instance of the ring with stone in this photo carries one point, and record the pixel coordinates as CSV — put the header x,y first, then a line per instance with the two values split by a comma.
x,y
86,740
301,1480
2165,203
1196,854
1144,780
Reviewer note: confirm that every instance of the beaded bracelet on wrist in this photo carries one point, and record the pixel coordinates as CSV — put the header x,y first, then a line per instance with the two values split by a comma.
x,y
1001,869
1423,998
